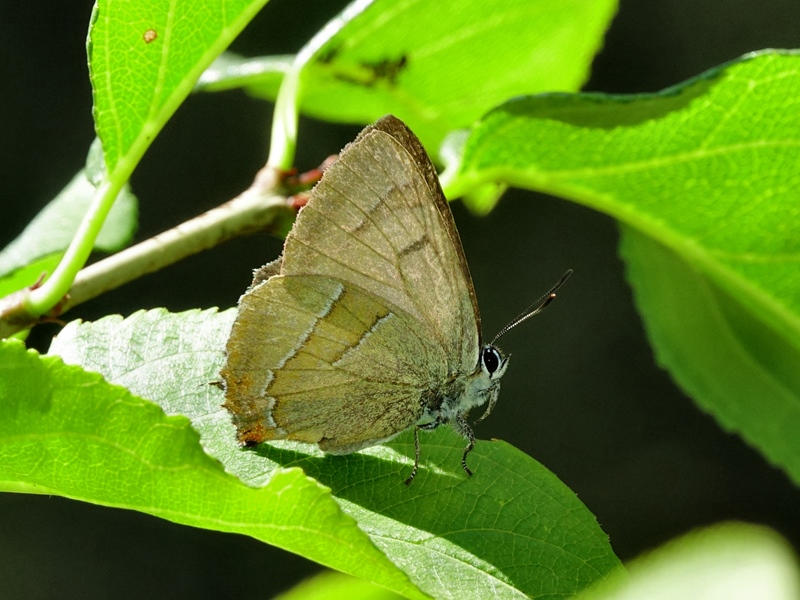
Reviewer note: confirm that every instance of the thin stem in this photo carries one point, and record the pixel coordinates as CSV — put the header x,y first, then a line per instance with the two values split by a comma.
x,y
283,139
284,123
44,298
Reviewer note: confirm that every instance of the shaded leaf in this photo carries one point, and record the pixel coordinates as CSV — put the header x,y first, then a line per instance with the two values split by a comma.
x,y
731,362
52,230
28,275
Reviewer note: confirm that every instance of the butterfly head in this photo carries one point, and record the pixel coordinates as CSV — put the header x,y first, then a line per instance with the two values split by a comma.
x,y
492,363
484,384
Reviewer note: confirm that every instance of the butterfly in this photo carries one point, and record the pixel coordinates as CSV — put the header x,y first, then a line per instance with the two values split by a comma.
x,y
368,324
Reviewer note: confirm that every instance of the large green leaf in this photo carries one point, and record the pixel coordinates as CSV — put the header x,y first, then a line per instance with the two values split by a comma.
x,y
706,173
437,65
510,531
144,58
65,431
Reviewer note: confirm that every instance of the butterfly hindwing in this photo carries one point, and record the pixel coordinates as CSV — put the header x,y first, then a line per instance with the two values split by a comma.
x,y
326,363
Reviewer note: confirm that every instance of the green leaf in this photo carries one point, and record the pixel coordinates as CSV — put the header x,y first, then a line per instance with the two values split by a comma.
x,y
705,170
51,231
726,562
65,431
440,65
509,531
28,275
735,366
335,586
144,58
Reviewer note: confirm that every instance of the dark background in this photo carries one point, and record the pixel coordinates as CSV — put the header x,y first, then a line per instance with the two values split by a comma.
x,y
583,395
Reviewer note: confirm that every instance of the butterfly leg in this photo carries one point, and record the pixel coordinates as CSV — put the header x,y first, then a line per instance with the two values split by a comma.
x,y
464,429
427,427
490,406
416,457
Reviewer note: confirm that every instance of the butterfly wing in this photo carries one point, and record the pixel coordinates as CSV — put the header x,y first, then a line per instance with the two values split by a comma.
x,y
319,360
379,219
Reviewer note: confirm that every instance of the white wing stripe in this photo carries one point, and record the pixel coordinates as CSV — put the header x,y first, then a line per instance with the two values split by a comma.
x,y
301,341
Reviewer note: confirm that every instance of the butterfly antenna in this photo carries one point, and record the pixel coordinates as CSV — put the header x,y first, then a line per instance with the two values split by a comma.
x,y
535,308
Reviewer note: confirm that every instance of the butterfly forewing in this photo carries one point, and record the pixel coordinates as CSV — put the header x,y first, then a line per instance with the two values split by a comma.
x,y
377,219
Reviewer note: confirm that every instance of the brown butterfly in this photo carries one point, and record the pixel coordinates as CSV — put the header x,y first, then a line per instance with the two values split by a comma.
x,y
368,324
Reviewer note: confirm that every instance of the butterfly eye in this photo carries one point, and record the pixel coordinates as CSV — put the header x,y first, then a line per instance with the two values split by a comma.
x,y
491,359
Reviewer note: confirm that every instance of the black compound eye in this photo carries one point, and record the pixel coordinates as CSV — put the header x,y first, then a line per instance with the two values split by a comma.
x,y
490,358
